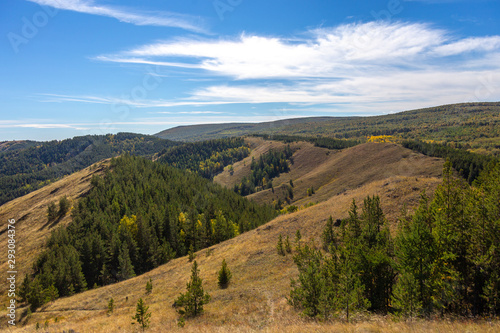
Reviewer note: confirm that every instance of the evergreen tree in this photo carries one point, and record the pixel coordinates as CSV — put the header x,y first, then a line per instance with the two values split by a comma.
x,y
195,297
64,206
328,237
279,246
111,306
51,212
288,247
125,268
224,275
149,286
142,315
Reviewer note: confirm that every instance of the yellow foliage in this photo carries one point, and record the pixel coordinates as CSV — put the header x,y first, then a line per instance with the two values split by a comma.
x,y
381,138
129,223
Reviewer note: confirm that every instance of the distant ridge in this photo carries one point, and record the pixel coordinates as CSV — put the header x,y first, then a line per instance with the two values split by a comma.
x,y
191,133
472,126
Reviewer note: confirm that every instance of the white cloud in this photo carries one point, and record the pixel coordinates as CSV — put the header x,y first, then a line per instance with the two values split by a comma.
x,y
473,44
370,67
165,19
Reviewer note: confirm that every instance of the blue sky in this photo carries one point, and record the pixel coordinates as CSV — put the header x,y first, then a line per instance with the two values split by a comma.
x,y
77,67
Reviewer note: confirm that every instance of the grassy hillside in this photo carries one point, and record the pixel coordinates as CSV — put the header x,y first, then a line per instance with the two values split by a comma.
x,y
473,126
256,298
30,213
331,172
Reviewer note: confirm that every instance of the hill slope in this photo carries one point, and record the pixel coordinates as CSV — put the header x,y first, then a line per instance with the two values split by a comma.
x,y
26,166
331,172
474,126
217,131
30,213
255,300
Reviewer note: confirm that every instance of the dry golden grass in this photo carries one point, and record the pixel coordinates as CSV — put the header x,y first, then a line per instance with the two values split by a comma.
x,y
254,301
256,297
333,172
30,213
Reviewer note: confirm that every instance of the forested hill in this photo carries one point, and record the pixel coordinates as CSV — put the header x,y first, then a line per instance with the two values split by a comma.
x,y
138,216
471,126
28,165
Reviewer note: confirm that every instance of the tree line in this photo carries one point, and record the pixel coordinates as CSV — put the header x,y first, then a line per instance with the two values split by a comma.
x,y
136,217
207,158
323,142
468,164
443,259
27,169
269,165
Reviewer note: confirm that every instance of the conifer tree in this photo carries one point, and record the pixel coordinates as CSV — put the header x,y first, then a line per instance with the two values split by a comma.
x,y
51,211
64,206
328,237
288,247
195,297
279,246
149,286
142,315
224,275
125,269
111,305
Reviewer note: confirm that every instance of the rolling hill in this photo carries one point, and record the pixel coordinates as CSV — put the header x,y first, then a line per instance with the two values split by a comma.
x,y
217,131
472,126
256,300
331,172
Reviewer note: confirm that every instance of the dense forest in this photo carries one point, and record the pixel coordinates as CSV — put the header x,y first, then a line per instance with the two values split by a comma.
x,y
29,167
468,164
323,142
269,166
207,158
444,259
136,217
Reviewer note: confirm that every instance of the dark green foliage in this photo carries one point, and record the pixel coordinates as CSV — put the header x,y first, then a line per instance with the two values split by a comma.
x,y
356,275
468,164
138,216
224,275
447,252
324,142
29,168
279,246
111,305
288,247
64,206
149,286
195,297
142,315
51,211
269,166
207,158
329,237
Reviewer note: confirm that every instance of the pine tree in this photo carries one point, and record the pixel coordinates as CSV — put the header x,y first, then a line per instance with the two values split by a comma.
x,y
279,246
125,269
50,294
51,212
328,237
64,206
195,297
142,315
149,286
288,247
111,306
224,275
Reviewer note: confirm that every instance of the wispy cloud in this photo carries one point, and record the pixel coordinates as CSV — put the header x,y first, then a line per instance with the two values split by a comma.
x,y
127,15
374,67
